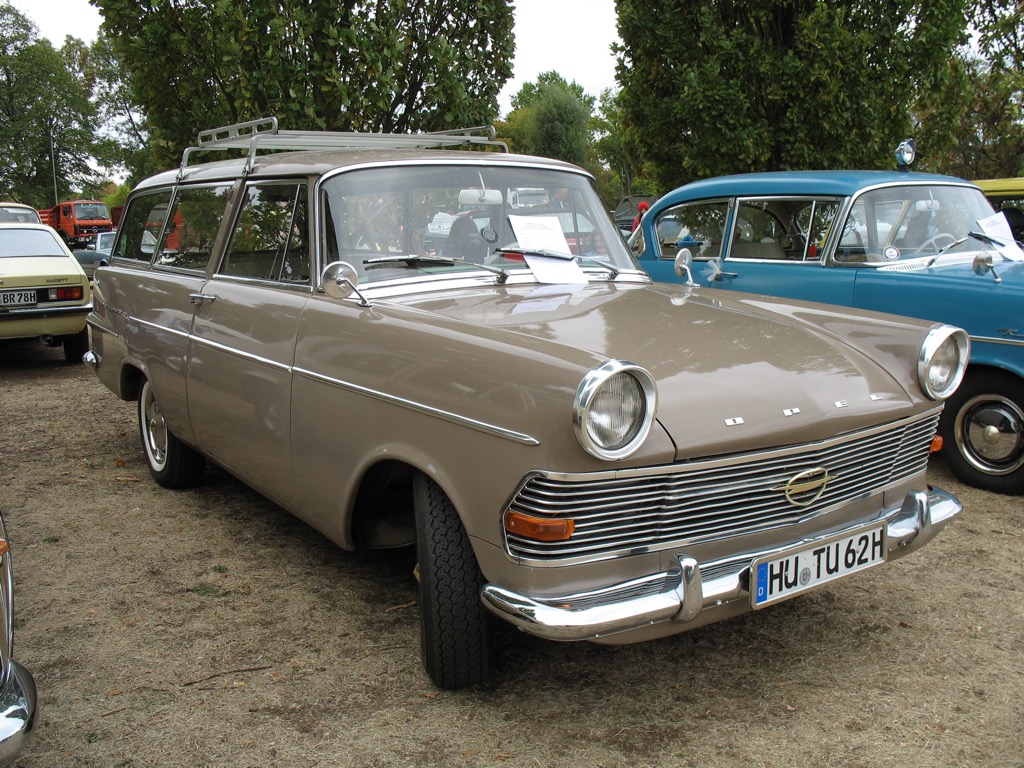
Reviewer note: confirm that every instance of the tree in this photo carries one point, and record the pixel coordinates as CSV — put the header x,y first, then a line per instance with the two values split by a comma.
x,y
724,86
551,118
47,122
126,135
618,148
559,125
529,90
369,65
973,124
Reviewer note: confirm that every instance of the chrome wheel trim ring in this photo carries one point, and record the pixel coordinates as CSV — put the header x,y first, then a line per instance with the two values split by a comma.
x,y
989,432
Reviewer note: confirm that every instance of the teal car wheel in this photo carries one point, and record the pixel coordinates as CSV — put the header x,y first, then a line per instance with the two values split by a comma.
x,y
983,432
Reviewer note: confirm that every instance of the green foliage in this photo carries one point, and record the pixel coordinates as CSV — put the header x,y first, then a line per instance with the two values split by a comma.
x,y
551,118
529,91
617,148
44,108
365,65
558,126
721,86
973,124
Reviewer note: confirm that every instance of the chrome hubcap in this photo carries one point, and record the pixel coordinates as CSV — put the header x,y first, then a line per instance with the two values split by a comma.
x,y
990,434
156,431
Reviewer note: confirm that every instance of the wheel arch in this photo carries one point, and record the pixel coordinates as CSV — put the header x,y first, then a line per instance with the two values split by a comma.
x,y
381,515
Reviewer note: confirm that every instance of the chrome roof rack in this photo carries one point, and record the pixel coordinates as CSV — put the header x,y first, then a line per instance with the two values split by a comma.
x,y
264,134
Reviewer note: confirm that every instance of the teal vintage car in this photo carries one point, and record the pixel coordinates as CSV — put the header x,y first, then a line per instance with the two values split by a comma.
x,y
915,244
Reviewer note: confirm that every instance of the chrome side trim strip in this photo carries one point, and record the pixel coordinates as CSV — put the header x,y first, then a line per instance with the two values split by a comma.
x,y
161,328
240,353
991,340
454,418
412,405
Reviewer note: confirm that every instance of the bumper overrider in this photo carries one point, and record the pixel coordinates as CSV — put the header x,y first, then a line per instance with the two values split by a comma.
x,y
17,710
681,593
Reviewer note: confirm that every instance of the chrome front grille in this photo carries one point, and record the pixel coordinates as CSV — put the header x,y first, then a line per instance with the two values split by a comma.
x,y
617,513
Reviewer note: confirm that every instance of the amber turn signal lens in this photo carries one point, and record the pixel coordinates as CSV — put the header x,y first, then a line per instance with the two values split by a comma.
x,y
936,443
538,528
4,547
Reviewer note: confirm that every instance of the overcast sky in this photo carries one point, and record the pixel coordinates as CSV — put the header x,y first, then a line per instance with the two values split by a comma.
x,y
571,37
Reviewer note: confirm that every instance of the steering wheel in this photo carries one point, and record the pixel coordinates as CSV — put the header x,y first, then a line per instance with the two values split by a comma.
x,y
933,241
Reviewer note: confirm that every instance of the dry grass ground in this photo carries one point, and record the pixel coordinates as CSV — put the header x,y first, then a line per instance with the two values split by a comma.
x,y
209,628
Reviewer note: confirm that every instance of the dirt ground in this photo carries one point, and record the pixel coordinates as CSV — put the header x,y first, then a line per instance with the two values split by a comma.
x,y
210,628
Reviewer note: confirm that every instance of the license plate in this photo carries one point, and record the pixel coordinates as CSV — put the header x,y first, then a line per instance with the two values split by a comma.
x,y
781,576
17,298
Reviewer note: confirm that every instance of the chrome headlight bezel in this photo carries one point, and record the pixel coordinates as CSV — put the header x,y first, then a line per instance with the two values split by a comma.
x,y
934,351
587,398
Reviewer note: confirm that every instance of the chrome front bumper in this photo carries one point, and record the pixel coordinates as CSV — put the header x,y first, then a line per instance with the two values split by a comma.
x,y
17,711
680,594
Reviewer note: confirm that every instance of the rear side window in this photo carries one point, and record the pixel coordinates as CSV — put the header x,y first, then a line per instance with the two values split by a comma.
x,y
698,226
191,227
270,237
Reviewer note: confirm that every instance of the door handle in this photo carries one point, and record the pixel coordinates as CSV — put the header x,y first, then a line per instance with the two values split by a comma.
x,y
199,298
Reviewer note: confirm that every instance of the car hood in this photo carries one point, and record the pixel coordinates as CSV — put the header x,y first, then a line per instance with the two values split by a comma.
x,y
18,272
733,373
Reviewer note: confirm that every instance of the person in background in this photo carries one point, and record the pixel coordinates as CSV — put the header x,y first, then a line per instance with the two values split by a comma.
x,y
1015,218
640,211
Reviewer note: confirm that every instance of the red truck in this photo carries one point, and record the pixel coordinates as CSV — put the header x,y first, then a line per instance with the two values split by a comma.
x,y
78,221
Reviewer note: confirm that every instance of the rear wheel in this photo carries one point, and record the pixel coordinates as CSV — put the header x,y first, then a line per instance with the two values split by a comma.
x,y
455,627
172,463
76,345
983,431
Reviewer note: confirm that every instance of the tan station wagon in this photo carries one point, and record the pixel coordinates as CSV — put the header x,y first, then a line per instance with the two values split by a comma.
x,y
368,330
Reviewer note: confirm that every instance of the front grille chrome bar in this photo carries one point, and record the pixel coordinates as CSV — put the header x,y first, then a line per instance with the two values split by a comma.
x,y
618,513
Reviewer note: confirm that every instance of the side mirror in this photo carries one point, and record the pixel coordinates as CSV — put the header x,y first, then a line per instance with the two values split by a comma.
x,y
340,281
983,264
683,260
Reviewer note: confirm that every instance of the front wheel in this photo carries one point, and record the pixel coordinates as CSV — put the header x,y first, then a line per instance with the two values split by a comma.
x,y
455,627
171,463
982,430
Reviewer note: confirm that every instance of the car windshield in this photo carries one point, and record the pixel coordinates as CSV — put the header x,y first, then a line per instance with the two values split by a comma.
x,y
29,242
470,214
913,221
91,211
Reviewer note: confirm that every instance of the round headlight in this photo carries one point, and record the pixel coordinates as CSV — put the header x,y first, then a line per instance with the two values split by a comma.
x,y
614,409
943,360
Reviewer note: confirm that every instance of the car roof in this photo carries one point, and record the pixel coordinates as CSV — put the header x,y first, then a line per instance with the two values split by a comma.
x,y
25,225
835,183
314,163
9,204
1006,187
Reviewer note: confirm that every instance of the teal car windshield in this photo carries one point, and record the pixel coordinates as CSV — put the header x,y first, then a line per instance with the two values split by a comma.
x,y
912,221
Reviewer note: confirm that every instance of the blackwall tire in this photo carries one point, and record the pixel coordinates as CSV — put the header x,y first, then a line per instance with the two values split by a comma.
x,y
455,628
982,431
75,345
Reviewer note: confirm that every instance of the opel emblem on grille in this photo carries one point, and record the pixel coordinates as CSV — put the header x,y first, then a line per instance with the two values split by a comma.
x,y
805,488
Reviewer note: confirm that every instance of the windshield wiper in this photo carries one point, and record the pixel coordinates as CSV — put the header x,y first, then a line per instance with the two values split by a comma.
x,y
986,239
612,271
976,235
535,252
411,260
